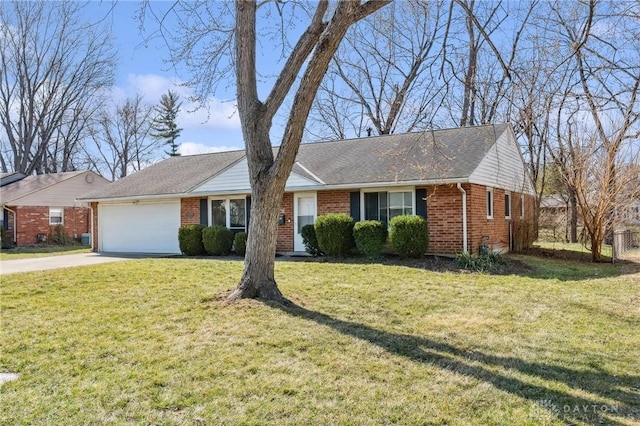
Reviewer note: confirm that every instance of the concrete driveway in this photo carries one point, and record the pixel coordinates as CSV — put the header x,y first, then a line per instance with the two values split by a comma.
x,y
64,261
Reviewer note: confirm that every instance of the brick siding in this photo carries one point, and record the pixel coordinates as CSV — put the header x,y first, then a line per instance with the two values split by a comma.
x,y
444,216
285,231
94,239
189,211
34,220
333,202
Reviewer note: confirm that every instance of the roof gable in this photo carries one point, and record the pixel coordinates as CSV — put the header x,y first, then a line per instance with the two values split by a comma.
x,y
53,189
503,166
175,175
236,179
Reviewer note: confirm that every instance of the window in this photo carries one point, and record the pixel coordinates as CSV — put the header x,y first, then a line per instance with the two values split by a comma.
x,y
384,206
55,216
230,213
507,205
489,203
522,207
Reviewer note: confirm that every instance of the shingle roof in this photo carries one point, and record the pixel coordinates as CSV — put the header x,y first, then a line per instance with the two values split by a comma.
x,y
175,175
31,184
8,178
422,156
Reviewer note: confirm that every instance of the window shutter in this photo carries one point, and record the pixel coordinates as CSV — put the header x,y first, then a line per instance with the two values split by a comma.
x,y
355,205
204,212
248,213
421,202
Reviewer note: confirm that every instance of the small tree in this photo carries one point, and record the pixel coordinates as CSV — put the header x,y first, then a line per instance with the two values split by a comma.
x,y
164,125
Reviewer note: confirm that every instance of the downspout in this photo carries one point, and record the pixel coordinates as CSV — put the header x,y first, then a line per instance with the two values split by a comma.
x,y
464,218
91,237
15,228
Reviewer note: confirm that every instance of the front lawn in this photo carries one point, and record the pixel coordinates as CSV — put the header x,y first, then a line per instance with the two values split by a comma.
x,y
40,251
151,342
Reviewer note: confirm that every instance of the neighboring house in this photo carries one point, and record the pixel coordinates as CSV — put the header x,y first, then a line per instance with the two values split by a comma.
x,y
470,183
555,215
33,206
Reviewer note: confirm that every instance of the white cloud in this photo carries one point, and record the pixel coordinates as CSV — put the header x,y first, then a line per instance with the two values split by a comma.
x,y
216,114
192,148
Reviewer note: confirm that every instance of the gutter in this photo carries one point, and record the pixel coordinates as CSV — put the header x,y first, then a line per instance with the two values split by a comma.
x,y
355,186
464,218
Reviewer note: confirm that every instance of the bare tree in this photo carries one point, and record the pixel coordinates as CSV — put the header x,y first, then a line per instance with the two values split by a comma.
x,y
379,79
121,139
598,118
233,48
52,67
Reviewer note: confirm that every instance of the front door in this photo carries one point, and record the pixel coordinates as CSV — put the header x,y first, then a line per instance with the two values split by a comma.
x,y
304,213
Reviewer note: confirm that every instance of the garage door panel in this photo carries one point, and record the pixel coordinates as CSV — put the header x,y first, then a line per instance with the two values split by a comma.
x,y
140,227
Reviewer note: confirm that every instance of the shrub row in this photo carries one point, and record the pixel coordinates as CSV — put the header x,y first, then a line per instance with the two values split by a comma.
x,y
216,240
336,234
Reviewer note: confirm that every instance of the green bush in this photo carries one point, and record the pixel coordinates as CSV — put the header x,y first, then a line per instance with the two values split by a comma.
x,y
58,237
370,236
240,243
217,240
190,240
485,262
335,233
409,235
308,233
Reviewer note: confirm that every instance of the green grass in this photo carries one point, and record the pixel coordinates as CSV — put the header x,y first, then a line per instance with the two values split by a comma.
x,y
150,342
576,248
40,251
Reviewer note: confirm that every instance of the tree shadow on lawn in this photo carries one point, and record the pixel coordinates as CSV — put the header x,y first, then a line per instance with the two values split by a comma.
x,y
560,269
595,409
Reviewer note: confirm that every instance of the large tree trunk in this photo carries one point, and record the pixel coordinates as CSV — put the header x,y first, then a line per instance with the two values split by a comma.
x,y
268,175
258,280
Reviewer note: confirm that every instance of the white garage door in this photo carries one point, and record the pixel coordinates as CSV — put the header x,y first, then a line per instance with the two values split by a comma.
x,y
140,227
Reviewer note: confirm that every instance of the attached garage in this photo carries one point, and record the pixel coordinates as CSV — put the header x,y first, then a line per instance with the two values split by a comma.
x,y
139,227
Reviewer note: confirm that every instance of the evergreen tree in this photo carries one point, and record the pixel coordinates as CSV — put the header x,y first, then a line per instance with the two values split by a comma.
x,y
164,125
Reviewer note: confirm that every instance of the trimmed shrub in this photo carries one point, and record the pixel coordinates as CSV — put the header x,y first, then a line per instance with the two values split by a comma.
x,y
409,235
370,236
217,240
334,232
308,233
240,243
190,240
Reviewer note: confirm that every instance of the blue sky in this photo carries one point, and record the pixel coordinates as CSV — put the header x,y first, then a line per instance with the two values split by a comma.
x,y
141,70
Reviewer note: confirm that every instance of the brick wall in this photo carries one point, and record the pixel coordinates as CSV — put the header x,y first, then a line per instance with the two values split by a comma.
x,y
444,218
34,220
333,202
94,237
285,231
499,228
189,211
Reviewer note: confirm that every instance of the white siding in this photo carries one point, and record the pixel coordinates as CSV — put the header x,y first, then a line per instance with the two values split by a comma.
x,y
503,167
63,194
236,180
